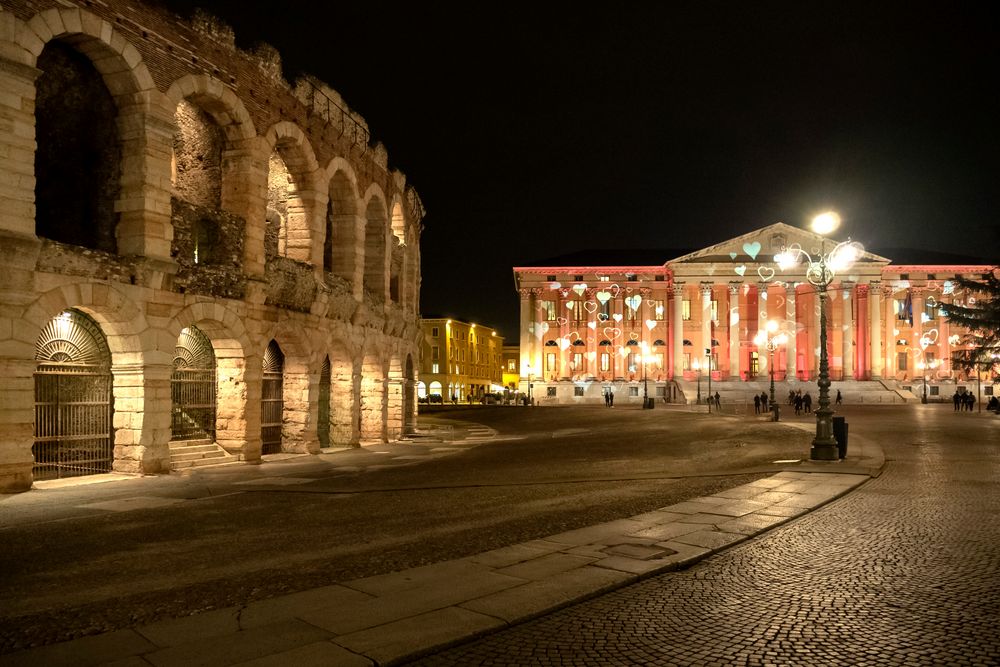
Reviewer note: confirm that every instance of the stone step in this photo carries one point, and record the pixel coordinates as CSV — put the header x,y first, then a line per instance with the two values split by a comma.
x,y
199,463
195,456
193,449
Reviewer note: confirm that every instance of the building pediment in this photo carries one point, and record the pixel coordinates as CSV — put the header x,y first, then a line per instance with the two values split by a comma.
x,y
761,245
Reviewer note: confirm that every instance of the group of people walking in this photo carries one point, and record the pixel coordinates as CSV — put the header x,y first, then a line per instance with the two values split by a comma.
x,y
803,402
963,401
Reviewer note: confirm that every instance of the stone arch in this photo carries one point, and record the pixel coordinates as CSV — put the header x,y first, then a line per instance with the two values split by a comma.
x,y
397,255
409,395
237,424
300,382
141,372
344,406
139,227
293,194
343,253
376,239
373,414
203,109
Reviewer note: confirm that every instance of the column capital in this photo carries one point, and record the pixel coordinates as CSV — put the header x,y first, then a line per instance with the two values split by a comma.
x,y
677,289
862,290
875,284
705,288
527,292
917,292
563,292
734,287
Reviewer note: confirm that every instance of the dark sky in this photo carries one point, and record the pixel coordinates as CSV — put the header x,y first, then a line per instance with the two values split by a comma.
x,y
533,130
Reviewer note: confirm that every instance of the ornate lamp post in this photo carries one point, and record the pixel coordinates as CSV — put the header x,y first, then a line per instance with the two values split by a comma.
x,y
770,339
529,370
820,272
697,367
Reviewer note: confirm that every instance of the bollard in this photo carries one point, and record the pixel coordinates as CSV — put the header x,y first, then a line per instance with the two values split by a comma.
x,y
840,434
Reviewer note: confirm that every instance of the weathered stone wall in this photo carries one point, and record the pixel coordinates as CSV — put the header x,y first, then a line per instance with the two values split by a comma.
x,y
196,122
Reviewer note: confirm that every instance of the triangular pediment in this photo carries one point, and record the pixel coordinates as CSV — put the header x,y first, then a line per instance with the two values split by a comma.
x,y
761,245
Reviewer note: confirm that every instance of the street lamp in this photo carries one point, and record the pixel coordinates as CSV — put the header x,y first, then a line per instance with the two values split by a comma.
x,y
697,367
820,273
529,370
645,389
708,365
770,339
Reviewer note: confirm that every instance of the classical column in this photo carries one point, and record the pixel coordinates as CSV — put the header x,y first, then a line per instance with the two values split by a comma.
x,y
706,322
677,328
732,319
890,333
847,326
875,309
530,334
791,352
592,339
917,328
562,320
816,323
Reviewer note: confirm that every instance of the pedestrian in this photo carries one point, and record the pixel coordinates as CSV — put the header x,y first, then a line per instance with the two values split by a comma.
x,y
756,404
956,399
791,397
718,400
971,401
607,399
611,399
763,401
807,401
840,399
798,403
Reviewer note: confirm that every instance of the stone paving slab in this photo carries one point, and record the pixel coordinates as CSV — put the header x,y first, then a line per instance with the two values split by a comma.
x,y
386,618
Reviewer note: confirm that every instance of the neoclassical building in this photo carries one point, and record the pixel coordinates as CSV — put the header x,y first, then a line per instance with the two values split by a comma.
x,y
200,260
656,326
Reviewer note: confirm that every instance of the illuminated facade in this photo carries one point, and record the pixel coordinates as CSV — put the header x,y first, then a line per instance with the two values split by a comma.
x,y
461,361
654,328
201,261
511,365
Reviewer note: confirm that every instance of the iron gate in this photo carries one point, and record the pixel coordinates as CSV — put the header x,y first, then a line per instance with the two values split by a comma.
x,y
73,399
271,400
193,387
323,423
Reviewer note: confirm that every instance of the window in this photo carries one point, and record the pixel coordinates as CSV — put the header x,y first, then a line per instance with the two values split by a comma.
x,y
435,368
659,279
551,278
578,391
549,310
435,353
930,359
605,361
715,311
550,361
550,392
633,391
578,278
658,360
687,361
686,310
901,309
661,391
901,361
656,307
633,362
604,311
630,314
577,311
604,279
511,365
434,332
630,277
578,362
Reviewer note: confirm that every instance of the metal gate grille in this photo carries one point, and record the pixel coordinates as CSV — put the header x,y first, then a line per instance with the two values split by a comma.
x,y
192,387
271,402
73,400
323,424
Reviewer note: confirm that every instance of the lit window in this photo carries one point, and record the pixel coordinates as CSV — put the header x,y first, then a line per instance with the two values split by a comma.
x,y
604,279
578,362
901,358
550,361
605,361
511,365
687,361
549,310
633,362
630,277
435,368
686,310
715,311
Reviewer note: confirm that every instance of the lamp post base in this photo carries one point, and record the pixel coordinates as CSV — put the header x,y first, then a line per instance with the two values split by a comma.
x,y
824,452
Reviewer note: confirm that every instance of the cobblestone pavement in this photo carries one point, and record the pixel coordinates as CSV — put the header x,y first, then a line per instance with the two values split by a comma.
x,y
903,571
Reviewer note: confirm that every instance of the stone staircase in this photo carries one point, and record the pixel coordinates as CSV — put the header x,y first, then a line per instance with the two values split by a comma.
x,y
856,392
187,454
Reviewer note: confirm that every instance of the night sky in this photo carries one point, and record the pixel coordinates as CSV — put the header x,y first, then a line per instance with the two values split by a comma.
x,y
534,131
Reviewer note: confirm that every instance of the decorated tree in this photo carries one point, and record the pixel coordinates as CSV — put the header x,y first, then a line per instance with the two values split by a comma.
x,y
979,314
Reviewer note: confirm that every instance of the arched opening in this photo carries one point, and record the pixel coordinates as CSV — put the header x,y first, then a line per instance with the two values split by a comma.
x,y
78,157
397,261
272,403
193,387
375,239
74,405
409,404
340,248
287,233
434,392
323,420
280,189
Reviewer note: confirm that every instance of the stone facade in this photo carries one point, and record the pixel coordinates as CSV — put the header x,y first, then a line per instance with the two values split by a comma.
x,y
587,328
153,177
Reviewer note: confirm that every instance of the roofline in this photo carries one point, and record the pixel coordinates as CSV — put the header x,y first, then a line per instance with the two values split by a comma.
x,y
931,268
616,268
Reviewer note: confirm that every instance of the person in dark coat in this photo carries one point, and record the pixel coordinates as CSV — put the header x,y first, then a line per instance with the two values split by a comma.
x,y
956,399
807,401
756,404
763,401
798,403
840,399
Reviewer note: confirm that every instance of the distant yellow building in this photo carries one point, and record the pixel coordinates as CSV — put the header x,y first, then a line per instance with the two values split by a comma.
x,y
511,366
461,362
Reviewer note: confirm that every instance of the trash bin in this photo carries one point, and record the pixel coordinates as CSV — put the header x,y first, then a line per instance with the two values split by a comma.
x,y
840,433
648,403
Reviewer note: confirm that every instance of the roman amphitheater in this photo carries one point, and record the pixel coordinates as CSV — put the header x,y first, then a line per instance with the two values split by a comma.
x,y
201,262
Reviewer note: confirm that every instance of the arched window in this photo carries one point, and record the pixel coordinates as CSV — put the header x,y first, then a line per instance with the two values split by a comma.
x,y
193,387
